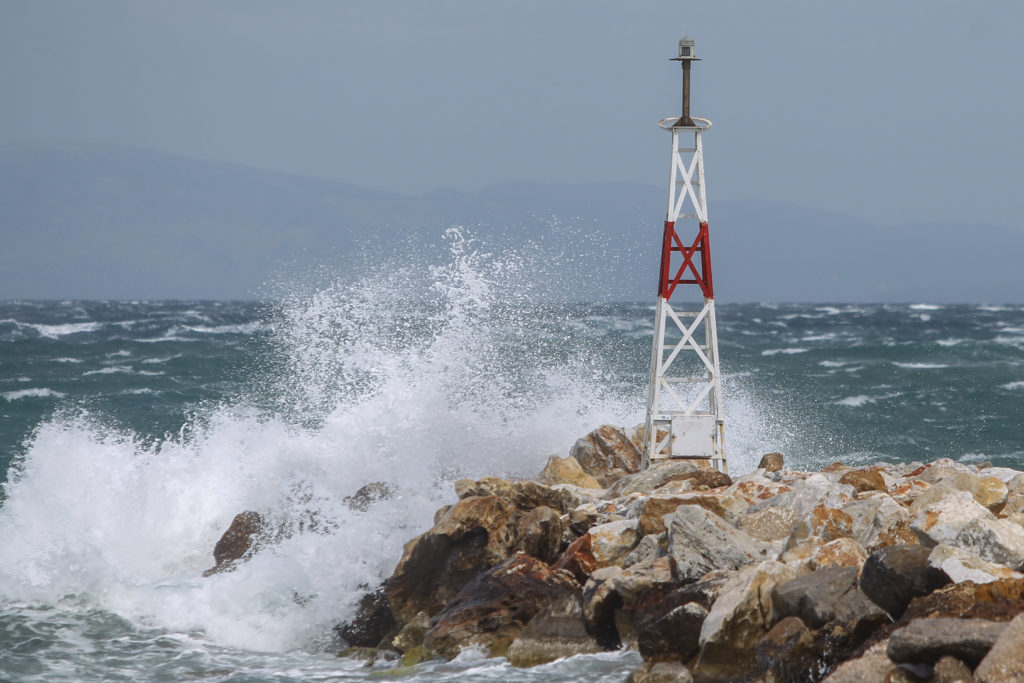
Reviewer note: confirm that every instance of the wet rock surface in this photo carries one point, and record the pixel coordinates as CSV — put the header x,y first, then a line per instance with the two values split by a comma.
x,y
239,542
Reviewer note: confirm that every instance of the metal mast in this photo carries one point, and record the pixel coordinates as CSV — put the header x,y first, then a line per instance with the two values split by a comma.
x,y
684,402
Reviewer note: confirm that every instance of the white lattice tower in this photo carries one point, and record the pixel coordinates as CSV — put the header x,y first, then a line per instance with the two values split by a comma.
x,y
684,402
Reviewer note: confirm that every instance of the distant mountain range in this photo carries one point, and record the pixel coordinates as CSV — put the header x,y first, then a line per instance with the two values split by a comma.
x,y
89,221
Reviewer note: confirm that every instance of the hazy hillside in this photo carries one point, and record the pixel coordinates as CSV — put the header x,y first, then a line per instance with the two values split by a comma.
x,y
85,221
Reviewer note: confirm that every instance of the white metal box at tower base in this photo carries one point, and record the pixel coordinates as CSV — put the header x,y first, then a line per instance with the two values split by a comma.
x,y
694,436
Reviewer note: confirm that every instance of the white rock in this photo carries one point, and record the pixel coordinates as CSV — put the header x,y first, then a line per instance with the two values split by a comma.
x,y
874,517
700,541
612,542
941,521
744,610
962,565
1003,474
995,540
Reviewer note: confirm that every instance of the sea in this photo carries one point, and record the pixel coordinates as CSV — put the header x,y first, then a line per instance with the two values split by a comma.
x,y
131,433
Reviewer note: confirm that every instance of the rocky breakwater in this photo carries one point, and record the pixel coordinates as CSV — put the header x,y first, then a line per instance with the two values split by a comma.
x,y
891,572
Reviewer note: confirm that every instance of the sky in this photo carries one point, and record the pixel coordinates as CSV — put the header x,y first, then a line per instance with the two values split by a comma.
x,y
893,112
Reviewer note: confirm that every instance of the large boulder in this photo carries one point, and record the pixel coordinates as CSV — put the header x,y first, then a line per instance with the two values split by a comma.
x,y
669,618
739,618
655,476
612,542
788,652
803,496
524,495
823,596
999,600
556,631
822,524
607,454
651,510
242,539
994,540
372,623
770,524
474,535
879,521
962,565
540,534
1004,662
700,541
613,588
842,552
491,611
567,471
942,520
868,479
926,640
895,575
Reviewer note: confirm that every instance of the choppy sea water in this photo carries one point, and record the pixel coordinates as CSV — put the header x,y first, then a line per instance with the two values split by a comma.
x,y
132,432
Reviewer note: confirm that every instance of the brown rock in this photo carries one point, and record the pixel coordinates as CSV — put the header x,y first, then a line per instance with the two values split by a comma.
x,y
491,611
772,462
567,471
366,496
788,651
669,618
578,559
524,495
239,542
1000,600
372,622
607,454
864,480
541,534
1004,662
476,534
556,631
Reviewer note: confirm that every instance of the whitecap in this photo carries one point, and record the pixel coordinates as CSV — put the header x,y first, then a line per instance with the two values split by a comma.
x,y
244,328
162,359
66,360
57,331
1013,386
951,341
37,392
111,370
925,307
921,366
855,401
833,363
791,350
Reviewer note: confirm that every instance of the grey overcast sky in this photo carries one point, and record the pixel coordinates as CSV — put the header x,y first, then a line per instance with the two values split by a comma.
x,y
891,111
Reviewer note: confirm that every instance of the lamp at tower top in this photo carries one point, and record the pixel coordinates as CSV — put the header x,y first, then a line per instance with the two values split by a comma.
x,y
686,52
687,55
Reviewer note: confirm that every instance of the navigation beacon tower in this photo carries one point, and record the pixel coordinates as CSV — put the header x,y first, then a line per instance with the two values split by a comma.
x,y
684,401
